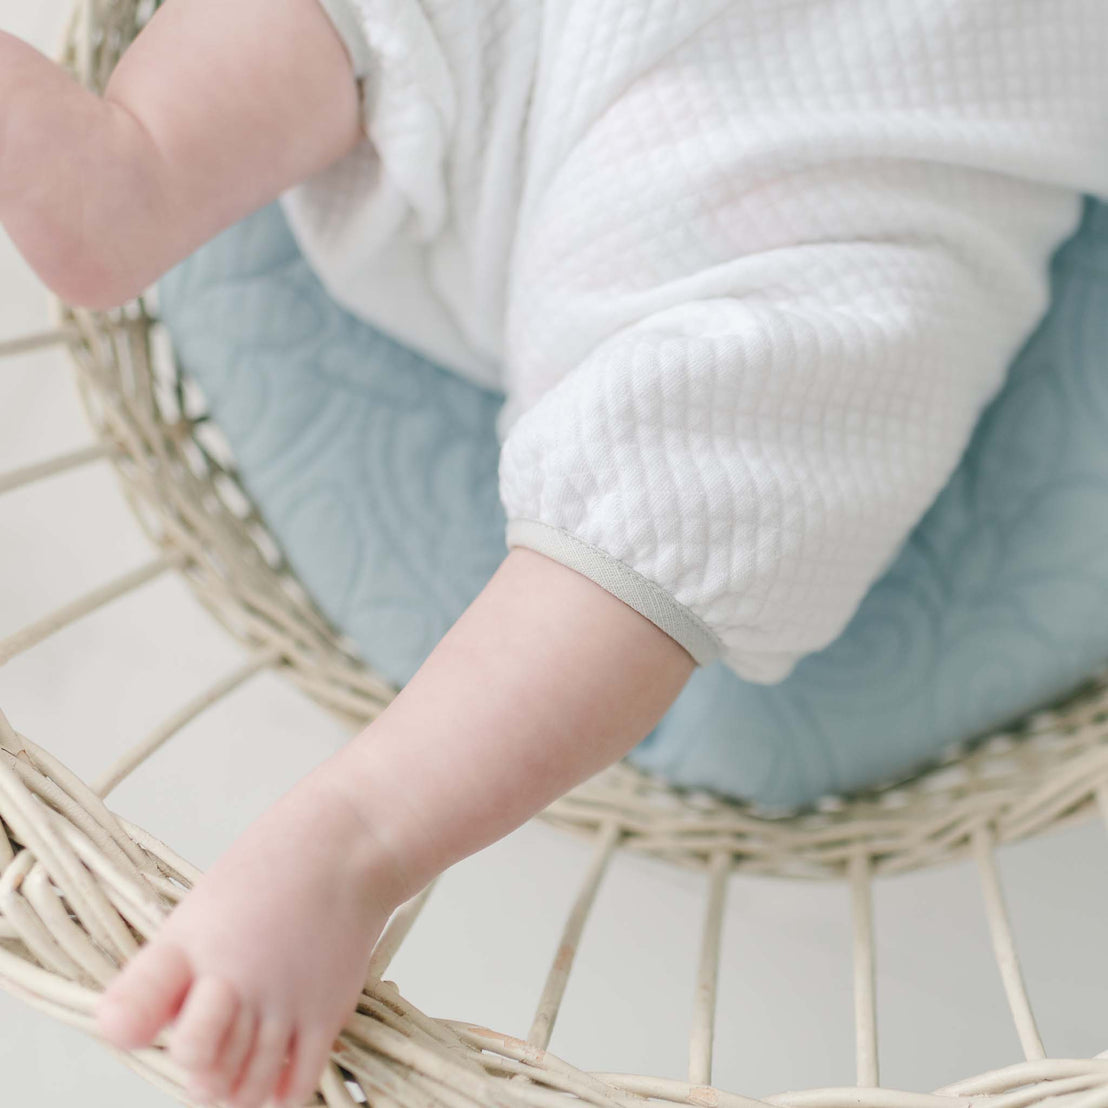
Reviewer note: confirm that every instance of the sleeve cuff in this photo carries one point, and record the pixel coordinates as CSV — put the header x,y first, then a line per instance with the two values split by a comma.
x,y
348,22
623,582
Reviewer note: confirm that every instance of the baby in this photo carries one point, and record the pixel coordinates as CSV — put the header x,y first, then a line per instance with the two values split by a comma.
x,y
747,271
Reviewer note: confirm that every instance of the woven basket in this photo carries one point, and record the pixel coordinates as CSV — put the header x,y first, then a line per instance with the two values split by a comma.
x,y
81,887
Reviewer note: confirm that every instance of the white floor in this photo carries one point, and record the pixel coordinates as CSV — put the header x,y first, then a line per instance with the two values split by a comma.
x,y
480,951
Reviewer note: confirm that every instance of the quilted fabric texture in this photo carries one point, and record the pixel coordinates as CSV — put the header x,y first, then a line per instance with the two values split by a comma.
x,y
377,471
747,270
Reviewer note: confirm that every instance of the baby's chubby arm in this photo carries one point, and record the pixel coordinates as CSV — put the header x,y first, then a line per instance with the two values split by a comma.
x,y
544,680
214,111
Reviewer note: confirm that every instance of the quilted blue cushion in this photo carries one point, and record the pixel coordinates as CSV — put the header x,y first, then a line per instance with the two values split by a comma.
x,y
376,470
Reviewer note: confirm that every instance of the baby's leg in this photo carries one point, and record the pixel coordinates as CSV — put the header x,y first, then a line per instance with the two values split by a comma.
x,y
215,110
544,680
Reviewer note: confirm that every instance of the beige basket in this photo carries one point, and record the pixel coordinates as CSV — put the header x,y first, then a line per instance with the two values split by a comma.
x,y
81,887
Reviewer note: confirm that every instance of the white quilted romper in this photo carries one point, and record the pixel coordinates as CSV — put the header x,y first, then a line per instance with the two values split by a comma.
x,y
746,270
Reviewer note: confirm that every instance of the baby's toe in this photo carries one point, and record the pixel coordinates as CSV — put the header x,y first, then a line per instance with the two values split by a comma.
x,y
145,996
267,1060
309,1055
204,1023
229,1067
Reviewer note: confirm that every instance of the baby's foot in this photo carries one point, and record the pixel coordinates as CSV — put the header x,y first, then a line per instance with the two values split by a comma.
x,y
263,962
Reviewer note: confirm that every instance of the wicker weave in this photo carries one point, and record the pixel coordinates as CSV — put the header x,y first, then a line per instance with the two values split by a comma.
x,y
117,883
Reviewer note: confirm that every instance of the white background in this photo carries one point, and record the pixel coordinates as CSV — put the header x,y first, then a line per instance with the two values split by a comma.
x,y
480,951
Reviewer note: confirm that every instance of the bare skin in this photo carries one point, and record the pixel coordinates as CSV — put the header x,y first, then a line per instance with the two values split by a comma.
x,y
543,681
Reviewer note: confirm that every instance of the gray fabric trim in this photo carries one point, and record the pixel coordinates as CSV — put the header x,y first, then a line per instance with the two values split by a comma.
x,y
348,22
618,578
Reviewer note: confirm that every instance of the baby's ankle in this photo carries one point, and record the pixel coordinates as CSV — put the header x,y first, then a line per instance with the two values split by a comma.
x,y
373,849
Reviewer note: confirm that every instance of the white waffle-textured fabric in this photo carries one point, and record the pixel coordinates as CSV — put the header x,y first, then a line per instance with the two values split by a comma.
x,y
747,270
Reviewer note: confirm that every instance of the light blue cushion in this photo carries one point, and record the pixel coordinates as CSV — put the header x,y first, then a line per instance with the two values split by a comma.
x,y
377,473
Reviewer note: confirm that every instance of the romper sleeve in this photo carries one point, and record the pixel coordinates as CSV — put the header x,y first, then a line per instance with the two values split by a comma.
x,y
746,351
